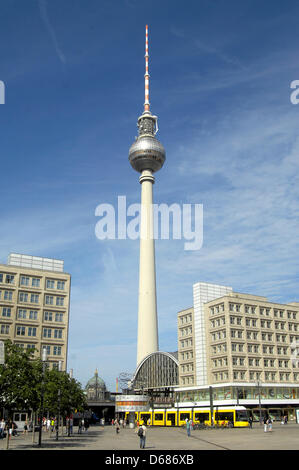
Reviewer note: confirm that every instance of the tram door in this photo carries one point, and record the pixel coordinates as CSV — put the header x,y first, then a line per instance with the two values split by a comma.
x,y
172,418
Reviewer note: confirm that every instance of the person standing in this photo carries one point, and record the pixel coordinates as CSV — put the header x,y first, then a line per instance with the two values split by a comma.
x,y
250,420
188,426
142,435
25,431
265,424
117,426
2,427
269,422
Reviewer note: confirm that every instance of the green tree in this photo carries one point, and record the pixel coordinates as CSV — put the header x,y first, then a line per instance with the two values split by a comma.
x,y
60,384
20,379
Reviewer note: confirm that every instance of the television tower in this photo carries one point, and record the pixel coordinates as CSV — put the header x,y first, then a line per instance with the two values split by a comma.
x,y
147,155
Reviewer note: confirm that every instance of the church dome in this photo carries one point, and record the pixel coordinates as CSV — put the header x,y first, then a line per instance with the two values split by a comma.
x,y
96,382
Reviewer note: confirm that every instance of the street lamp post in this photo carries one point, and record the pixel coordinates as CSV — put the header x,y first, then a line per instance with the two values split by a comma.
x,y
44,359
59,398
260,405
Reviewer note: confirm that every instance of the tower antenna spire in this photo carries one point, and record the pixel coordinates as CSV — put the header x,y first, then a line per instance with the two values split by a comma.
x,y
146,76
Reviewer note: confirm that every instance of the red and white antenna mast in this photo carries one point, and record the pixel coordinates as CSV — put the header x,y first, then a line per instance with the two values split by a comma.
x,y
146,76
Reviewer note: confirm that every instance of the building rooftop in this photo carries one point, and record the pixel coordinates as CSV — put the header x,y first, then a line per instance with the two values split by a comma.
x,y
35,262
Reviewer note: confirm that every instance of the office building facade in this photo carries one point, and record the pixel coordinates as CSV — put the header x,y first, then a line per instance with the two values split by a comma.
x,y
243,346
34,305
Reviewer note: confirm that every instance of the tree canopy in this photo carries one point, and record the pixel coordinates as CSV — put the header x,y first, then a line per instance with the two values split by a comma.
x,y
22,381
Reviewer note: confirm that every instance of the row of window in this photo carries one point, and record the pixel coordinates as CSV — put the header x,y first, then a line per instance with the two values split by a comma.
x,y
250,335
29,281
51,350
185,343
186,318
252,362
34,298
236,320
22,330
26,314
187,380
186,331
186,355
252,309
253,376
240,361
187,368
235,307
251,348
32,331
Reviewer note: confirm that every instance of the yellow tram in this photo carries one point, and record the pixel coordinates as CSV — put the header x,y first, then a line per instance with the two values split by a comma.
x,y
222,416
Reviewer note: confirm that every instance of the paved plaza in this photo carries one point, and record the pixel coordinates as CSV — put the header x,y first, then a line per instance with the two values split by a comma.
x,y
105,438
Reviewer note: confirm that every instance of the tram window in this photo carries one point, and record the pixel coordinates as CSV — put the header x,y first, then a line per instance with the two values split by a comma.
x,y
201,417
16,417
23,417
184,416
241,415
224,416
158,416
144,416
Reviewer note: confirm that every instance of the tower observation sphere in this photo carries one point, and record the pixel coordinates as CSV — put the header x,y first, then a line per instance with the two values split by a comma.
x,y
147,153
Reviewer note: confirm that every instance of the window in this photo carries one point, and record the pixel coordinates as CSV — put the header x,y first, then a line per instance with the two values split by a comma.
x,y
8,295
33,315
22,313
60,285
49,300
31,331
48,349
24,281
23,297
57,350
50,284
47,333
6,312
34,298
5,329
1,277
48,316
59,301
20,331
10,279
35,282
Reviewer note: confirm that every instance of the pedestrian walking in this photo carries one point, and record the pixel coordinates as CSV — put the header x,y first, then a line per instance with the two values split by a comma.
x,y
117,426
2,427
188,426
265,424
80,426
250,420
25,430
71,425
285,418
269,422
142,435
86,425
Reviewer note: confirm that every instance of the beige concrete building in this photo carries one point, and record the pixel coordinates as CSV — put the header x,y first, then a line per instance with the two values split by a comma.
x,y
186,352
246,338
251,339
34,305
243,346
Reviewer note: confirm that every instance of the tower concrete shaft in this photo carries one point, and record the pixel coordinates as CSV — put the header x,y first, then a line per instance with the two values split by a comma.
x,y
147,301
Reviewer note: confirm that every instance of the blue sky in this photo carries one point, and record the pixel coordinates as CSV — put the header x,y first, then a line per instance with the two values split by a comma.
x,y
220,84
